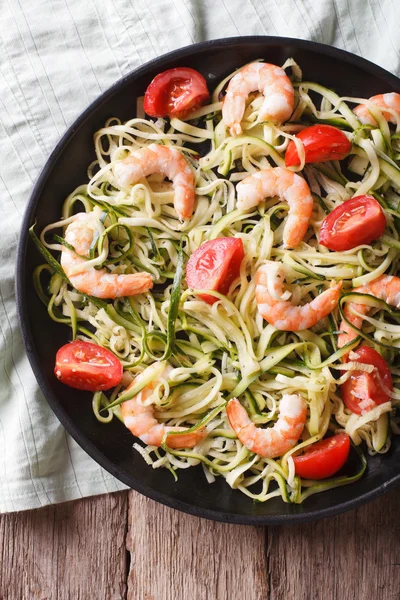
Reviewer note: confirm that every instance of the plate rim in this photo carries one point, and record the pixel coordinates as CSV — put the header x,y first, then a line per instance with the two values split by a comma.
x,y
70,426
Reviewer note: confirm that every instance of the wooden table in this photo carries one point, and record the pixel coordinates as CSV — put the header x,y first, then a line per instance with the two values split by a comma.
x,y
124,546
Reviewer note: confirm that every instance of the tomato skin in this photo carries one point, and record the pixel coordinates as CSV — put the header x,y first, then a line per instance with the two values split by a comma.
x,y
367,386
356,221
323,459
175,93
214,265
87,366
321,143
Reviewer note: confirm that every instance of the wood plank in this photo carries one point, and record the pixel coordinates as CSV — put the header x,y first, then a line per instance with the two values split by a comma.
x,y
71,551
354,556
77,550
174,555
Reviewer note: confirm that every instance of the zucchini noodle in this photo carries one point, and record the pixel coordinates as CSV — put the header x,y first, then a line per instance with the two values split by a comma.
x,y
224,350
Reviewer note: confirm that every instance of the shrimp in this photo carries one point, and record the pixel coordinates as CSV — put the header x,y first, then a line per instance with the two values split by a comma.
x,y
287,185
139,417
168,161
98,283
272,441
382,101
269,79
385,287
282,314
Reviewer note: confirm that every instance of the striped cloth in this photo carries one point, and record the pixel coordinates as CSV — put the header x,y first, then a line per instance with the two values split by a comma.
x,y
58,56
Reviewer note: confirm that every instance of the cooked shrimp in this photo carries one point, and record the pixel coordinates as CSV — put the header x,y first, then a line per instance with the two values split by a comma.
x,y
156,158
382,101
288,186
98,283
282,314
386,287
269,79
272,441
139,417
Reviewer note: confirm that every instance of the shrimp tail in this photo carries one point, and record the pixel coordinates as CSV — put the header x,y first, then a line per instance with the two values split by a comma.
x,y
138,414
170,162
281,313
268,79
385,287
85,278
289,186
270,442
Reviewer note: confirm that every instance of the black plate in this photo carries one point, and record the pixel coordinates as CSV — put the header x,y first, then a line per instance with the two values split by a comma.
x,y
111,445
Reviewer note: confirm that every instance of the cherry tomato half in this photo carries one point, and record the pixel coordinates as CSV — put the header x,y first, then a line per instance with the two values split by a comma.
x,y
323,459
214,265
357,221
321,143
175,93
87,366
364,391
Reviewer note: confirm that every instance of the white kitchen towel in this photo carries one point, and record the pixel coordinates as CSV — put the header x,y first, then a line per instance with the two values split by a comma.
x,y
56,56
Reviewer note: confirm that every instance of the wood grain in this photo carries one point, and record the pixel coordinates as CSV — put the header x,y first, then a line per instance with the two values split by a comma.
x,y
73,551
77,551
180,557
354,556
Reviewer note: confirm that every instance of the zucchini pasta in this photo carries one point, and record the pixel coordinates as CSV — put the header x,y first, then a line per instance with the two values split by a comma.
x,y
213,254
